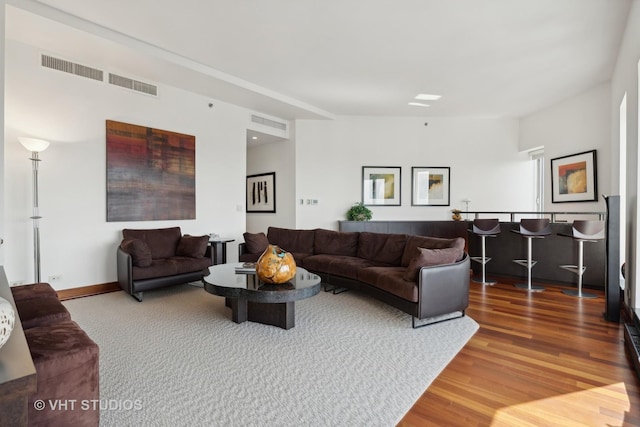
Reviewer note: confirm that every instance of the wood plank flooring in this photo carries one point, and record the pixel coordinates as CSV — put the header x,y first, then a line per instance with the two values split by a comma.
x,y
538,359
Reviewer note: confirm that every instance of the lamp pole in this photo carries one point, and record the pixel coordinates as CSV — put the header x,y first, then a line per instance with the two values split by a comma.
x,y
35,146
35,160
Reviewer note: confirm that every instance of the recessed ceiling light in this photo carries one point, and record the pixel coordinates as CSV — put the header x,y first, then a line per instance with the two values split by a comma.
x,y
427,97
418,104
254,137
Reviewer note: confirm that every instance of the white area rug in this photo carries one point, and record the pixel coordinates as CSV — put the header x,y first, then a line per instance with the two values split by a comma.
x,y
177,359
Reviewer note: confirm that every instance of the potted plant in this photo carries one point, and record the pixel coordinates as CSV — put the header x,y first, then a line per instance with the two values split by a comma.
x,y
359,212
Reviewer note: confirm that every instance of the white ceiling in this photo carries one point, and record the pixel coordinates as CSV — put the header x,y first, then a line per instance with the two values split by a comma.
x,y
318,59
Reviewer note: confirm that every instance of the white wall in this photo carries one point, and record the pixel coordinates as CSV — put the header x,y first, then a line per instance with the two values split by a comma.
x,y
278,157
625,80
578,124
70,111
486,166
2,176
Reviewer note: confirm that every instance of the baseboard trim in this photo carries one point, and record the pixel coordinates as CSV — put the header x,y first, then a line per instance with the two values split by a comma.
x,y
86,291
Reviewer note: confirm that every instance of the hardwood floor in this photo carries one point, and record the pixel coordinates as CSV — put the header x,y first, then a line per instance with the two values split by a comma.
x,y
538,359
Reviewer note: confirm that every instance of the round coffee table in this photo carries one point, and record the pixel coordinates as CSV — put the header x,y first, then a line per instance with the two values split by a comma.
x,y
256,301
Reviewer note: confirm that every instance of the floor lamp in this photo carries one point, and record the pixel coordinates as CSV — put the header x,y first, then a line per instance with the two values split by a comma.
x,y
35,146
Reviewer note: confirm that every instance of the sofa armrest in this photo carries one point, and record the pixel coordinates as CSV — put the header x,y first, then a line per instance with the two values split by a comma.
x,y
242,249
125,270
443,289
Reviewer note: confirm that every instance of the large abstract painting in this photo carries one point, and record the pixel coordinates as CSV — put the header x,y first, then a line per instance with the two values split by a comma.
x,y
150,174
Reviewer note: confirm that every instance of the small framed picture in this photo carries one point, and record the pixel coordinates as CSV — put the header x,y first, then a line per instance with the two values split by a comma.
x,y
574,178
261,193
430,186
381,185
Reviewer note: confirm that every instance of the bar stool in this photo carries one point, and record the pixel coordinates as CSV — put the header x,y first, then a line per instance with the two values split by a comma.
x,y
582,231
484,228
531,228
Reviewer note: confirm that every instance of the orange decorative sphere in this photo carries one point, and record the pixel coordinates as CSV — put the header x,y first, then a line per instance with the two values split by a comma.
x,y
275,266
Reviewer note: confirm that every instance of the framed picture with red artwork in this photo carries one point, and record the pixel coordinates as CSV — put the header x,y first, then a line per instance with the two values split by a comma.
x,y
574,178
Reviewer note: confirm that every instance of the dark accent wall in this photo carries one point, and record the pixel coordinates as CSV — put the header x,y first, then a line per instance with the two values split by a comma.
x,y
445,229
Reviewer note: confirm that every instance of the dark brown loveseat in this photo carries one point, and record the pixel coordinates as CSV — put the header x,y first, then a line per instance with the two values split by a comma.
x,y
422,276
65,357
151,259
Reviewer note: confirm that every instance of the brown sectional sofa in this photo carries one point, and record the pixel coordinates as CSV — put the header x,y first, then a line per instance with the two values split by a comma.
x,y
422,276
65,357
153,258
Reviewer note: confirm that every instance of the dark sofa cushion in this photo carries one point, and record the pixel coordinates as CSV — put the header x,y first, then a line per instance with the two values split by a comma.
x,y
337,265
390,279
255,243
159,268
41,311
162,242
189,264
67,369
139,251
33,290
381,247
192,246
427,257
247,257
294,241
415,242
335,242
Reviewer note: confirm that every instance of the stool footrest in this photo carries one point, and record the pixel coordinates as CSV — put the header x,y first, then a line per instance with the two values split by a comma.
x,y
524,262
573,268
480,259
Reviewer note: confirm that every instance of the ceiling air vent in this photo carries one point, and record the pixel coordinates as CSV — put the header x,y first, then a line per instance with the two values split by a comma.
x,y
72,67
268,122
132,84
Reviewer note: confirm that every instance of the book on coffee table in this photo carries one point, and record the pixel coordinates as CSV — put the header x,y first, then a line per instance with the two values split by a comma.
x,y
246,268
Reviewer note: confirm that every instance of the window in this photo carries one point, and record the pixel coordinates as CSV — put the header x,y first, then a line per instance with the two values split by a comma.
x,y
537,157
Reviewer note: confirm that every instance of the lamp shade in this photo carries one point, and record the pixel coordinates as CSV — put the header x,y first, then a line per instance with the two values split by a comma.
x,y
33,144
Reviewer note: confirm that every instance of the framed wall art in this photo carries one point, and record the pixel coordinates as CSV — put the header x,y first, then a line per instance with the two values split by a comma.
x,y
430,186
261,193
381,185
151,173
574,178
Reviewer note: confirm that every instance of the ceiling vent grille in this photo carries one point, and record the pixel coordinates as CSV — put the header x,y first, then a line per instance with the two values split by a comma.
x,y
132,84
268,122
72,68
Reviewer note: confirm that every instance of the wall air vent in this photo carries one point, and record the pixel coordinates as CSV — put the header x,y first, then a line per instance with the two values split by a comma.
x,y
268,122
71,67
132,84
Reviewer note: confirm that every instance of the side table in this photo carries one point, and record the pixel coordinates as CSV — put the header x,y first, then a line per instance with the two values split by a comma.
x,y
219,249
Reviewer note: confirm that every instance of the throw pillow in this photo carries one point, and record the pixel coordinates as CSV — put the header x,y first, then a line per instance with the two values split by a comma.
x,y
426,257
192,246
139,251
256,242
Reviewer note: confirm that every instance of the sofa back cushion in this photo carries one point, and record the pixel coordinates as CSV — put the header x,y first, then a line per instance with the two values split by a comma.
x,y
192,246
255,243
139,251
162,242
427,257
414,242
381,247
299,241
335,242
